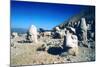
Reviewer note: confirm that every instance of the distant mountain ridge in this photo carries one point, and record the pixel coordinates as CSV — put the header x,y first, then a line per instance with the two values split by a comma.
x,y
88,13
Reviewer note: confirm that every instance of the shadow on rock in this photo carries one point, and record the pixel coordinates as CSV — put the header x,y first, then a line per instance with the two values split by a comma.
x,y
55,50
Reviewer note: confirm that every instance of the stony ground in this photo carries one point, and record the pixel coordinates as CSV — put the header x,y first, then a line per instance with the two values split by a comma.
x,y
28,53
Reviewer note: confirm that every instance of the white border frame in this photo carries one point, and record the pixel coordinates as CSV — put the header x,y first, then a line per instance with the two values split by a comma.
x,y
5,32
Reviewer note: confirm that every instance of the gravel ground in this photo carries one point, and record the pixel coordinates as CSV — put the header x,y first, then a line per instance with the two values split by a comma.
x,y
27,53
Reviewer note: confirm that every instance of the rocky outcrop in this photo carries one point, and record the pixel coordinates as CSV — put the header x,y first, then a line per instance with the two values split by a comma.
x,y
58,33
84,23
48,33
14,35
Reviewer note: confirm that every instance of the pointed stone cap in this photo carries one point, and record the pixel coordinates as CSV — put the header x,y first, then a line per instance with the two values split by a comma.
x,y
33,27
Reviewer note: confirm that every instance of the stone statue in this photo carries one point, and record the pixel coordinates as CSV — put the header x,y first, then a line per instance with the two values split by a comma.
x,y
32,34
70,43
83,31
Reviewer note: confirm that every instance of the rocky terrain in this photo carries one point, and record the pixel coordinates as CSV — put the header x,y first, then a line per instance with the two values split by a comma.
x,y
30,54
71,41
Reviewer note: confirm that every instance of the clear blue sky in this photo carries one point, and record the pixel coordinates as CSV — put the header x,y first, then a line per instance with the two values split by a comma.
x,y
42,15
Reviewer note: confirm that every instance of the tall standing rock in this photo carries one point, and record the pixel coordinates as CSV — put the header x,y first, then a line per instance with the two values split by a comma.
x,y
32,34
83,31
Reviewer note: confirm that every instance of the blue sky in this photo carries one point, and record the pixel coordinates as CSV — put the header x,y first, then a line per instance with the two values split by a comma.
x,y
42,15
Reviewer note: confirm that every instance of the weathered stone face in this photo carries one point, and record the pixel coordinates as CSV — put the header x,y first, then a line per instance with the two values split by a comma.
x,y
32,34
71,42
